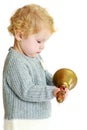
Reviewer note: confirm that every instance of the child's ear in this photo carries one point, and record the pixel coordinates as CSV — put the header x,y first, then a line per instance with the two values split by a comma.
x,y
18,36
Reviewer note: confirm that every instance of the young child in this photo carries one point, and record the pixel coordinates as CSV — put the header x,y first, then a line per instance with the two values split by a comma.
x,y
27,86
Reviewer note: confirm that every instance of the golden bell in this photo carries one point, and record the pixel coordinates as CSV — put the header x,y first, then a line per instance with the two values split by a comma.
x,y
64,78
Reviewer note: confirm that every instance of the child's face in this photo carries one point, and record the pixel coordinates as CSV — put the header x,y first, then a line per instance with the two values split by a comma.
x,y
34,44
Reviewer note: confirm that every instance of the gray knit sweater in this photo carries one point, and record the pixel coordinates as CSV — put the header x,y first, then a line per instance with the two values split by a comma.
x,y
27,87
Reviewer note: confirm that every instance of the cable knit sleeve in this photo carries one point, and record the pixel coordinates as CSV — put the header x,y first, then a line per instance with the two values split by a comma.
x,y
20,81
48,75
49,78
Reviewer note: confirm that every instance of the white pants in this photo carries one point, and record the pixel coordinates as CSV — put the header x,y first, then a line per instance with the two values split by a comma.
x,y
42,124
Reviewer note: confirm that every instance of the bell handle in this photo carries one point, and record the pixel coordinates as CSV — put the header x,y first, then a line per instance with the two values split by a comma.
x,y
60,96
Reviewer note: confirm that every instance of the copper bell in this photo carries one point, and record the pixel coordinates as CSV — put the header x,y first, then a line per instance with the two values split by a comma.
x,y
64,78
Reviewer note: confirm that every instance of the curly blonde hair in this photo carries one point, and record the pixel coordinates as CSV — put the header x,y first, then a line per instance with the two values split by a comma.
x,y
29,19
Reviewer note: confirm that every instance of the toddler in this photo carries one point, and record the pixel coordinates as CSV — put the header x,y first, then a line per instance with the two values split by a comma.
x,y
27,85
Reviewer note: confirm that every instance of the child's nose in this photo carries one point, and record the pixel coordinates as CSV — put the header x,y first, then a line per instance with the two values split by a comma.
x,y
42,46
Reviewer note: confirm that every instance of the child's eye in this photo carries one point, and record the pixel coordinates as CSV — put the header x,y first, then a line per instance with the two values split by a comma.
x,y
39,41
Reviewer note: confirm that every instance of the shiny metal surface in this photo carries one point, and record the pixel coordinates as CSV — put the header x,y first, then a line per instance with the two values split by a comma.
x,y
65,77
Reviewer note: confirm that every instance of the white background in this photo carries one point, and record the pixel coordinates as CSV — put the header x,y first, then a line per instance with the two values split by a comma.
x,y
66,48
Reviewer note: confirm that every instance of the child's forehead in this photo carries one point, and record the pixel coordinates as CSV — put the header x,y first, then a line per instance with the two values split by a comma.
x,y
43,32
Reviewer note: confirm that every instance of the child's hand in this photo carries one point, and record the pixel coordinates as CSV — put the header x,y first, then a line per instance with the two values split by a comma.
x,y
55,91
60,93
67,91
